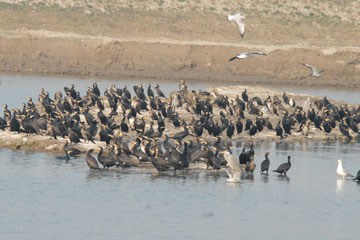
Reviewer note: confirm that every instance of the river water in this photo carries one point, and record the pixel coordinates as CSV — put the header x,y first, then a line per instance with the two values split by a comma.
x,y
42,197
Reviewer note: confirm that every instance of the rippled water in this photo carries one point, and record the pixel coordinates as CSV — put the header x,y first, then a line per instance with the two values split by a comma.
x,y
42,197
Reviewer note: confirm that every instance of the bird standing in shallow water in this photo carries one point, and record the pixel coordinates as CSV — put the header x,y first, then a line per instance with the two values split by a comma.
x,y
357,178
91,161
340,170
283,168
266,163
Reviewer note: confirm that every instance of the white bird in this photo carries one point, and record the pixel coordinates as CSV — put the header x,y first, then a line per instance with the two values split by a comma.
x,y
244,55
234,176
341,172
314,72
231,161
238,18
235,169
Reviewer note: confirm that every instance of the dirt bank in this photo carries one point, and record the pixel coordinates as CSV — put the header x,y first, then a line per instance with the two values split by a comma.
x,y
183,39
58,53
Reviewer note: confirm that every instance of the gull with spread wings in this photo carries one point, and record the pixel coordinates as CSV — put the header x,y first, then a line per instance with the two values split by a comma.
x,y
244,55
238,18
314,72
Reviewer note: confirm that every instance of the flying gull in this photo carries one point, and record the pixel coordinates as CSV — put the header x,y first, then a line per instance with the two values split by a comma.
x,y
341,172
244,55
314,72
238,18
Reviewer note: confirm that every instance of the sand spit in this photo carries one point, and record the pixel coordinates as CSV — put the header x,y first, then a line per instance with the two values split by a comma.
x,y
44,143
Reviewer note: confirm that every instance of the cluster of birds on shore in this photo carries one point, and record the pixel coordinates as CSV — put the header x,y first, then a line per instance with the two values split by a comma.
x,y
238,18
117,118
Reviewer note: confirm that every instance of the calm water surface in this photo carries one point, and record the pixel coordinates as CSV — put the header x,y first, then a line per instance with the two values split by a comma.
x,y
42,197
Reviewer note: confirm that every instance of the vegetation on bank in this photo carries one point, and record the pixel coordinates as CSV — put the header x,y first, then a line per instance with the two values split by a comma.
x,y
199,19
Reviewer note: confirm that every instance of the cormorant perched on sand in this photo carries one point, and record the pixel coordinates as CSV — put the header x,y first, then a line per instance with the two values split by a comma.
x,y
245,96
150,91
105,161
284,167
279,130
326,126
96,89
70,151
265,164
253,130
91,161
239,126
230,129
344,129
158,91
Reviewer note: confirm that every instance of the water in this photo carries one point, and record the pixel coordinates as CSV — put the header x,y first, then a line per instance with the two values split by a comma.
x,y
16,88
42,197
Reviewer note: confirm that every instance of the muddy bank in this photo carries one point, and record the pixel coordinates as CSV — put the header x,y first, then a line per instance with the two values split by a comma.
x,y
53,53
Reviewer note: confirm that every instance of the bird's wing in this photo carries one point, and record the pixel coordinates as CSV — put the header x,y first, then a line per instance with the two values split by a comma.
x,y
241,26
235,16
348,174
311,67
258,53
234,165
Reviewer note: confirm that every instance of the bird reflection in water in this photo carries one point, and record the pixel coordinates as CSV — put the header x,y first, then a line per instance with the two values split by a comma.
x,y
101,173
283,177
265,177
339,184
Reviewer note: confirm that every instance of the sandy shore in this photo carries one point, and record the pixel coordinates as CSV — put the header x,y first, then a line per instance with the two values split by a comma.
x,y
161,58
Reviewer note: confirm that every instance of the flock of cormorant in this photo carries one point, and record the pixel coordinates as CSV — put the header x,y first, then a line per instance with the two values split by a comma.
x,y
174,132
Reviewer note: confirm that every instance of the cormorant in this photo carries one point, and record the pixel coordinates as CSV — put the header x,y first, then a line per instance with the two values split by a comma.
x,y
266,163
158,91
70,151
230,129
245,96
91,161
105,161
239,126
357,178
284,167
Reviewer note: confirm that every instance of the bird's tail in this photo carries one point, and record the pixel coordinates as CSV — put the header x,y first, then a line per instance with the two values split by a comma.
x,y
231,59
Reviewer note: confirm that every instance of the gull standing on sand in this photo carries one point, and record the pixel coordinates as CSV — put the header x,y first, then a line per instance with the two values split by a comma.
x,y
238,18
314,72
244,55
341,172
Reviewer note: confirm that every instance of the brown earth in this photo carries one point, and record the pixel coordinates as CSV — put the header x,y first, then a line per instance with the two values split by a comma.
x,y
178,39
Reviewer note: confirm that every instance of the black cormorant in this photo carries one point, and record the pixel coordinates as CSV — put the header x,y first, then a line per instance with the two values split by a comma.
x,y
266,163
284,167
91,161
